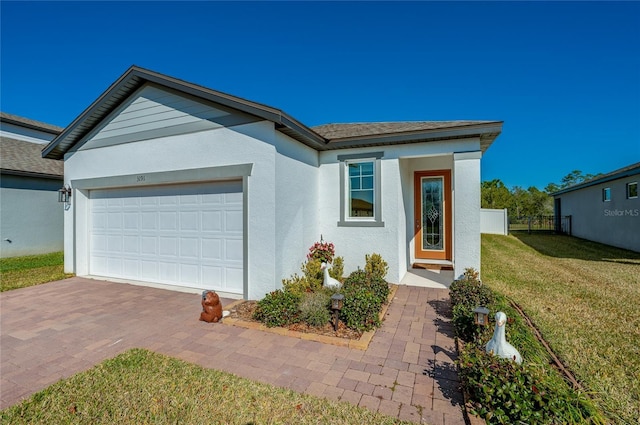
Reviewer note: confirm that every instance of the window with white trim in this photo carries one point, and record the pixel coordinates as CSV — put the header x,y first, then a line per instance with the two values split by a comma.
x,y
632,190
606,194
360,194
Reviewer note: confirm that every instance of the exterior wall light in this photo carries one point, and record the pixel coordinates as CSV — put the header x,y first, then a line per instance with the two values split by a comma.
x,y
337,301
481,316
64,194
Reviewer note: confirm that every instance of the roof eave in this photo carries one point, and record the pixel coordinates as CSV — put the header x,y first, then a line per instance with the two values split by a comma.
x,y
487,132
31,174
135,77
596,181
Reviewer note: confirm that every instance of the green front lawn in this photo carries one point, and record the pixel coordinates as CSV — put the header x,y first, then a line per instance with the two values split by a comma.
x,y
141,387
20,272
585,299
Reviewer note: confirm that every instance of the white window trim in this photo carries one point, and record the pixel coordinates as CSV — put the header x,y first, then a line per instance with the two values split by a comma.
x,y
345,219
604,191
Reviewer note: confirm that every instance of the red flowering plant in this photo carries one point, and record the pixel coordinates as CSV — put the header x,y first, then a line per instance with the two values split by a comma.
x,y
323,251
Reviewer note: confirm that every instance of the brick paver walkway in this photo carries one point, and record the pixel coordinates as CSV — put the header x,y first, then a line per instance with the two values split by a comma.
x,y
52,331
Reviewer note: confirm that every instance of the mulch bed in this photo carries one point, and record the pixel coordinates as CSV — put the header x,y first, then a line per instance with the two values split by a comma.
x,y
244,311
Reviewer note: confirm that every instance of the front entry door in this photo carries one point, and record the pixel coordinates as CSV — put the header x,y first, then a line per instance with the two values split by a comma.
x,y
432,195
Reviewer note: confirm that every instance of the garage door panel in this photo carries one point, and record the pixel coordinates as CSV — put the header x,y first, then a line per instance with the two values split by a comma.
x,y
189,220
211,221
130,244
168,272
233,276
189,248
211,249
99,265
130,220
188,235
233,221
233,250
149,245
149,220
115,266
114,244
130,267
114,220
150,270
233,198
168,220
212,198
189,274
168,246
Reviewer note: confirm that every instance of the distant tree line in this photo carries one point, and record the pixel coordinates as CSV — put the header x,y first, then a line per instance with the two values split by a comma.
x,y
527,202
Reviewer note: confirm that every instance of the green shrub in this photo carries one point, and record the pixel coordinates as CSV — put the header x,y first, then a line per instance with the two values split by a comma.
x,y
470,291
466,294
314,308
278,308
313,273
361,303
376,284
376,266
337,268
295,284
503,392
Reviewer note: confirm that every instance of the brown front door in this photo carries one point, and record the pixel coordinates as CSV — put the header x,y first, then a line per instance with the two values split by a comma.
x,y
432,199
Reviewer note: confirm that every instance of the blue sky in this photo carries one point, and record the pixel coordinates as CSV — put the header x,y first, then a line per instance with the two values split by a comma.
x,y
564,77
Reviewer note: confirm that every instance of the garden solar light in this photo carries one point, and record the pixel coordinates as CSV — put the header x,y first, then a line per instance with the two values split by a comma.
x,y
481,316
337,300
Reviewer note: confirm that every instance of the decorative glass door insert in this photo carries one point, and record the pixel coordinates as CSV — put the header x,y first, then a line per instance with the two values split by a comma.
x,y
432,213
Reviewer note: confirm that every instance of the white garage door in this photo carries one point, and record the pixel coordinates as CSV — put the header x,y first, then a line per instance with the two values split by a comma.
x,y
187,235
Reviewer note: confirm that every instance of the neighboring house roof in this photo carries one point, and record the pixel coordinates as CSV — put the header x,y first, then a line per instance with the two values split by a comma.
x,y
331,136
25,158
630,170
28,123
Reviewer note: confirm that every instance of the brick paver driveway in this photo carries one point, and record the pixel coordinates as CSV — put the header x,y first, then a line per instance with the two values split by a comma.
x,y
52,331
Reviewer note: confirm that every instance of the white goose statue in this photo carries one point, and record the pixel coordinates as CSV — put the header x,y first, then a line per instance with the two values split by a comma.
x,y
498,345
329,282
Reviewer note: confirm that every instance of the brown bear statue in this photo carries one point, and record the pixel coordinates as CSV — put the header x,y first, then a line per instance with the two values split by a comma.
x,y
211,307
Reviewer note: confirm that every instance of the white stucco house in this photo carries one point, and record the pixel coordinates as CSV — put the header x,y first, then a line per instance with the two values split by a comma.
x,y
605,209
31,220
177,184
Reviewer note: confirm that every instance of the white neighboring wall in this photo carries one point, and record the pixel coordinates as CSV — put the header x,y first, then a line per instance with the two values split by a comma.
x,y
494,221
30,216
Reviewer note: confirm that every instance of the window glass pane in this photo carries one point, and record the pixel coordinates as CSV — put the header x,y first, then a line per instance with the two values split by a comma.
x,y
361,191
632,190
606,194
367,168
361,203
354,170
367,182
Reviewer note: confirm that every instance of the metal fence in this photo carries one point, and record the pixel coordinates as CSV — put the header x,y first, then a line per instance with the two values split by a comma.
x,y
541,223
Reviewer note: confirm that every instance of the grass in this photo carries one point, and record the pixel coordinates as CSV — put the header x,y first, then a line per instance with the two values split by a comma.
x,y
20,272
584,297
140,387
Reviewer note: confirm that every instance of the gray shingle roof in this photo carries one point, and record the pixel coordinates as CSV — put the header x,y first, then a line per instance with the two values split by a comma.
x,y
26,122
366,129
321,138
20,157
